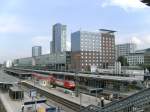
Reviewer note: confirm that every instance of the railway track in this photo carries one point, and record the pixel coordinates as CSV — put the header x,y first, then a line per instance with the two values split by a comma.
x,y
60,100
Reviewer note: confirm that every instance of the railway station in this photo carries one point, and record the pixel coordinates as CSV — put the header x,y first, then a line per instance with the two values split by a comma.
x,y
18,73
14,98
86,81
99,86
7,81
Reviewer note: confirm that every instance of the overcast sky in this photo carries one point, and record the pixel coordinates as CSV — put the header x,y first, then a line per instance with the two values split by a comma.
x,y
25,23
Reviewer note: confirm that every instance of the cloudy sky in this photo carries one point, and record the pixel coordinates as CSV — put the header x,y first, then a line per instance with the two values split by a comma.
x,y
25,23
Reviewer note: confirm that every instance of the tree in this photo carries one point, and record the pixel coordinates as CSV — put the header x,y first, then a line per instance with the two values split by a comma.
x,y
123,61
145,66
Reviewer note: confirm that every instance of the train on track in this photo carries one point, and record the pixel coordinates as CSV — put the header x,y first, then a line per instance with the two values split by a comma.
x,y
49,79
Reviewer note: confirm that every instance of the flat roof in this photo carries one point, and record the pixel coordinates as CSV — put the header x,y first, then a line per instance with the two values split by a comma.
x,y
106,30
104,77
108,77
16,88
18,71
7,79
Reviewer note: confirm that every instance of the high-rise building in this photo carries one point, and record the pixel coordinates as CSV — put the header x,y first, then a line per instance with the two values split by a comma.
x,y
85,41
36,51
108,47
92,49
147,57
85,47
51,47
125,49
58,43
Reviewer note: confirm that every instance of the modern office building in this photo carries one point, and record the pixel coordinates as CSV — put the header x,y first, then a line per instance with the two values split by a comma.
x,y
36,51
135,59
58,43
140,57
60,61
92,49
51,47
86,50
125,49
108,47
147,57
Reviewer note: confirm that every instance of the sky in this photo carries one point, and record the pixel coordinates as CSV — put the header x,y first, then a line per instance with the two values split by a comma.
x,y
25,23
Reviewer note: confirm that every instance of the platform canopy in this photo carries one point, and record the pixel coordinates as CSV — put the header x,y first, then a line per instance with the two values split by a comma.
x,y
7,79
147,2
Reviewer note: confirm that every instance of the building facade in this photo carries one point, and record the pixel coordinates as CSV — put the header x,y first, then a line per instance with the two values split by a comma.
x,y
36,51
90,49
125,49
108,47
140,57
60,61
135,59
51,47
58,43
147,57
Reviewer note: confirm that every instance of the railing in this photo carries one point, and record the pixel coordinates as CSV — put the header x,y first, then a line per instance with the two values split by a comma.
x,y
133,103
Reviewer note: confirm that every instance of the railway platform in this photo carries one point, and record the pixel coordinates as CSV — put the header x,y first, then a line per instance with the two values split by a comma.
x,y
83,99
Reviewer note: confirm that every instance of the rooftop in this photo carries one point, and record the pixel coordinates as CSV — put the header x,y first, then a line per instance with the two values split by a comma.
x,y
108,31
7,79
102,77
16,88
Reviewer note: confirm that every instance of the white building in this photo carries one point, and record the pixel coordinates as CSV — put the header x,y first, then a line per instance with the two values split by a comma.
x,y
136,58
117,68
125,49
92,49
8,64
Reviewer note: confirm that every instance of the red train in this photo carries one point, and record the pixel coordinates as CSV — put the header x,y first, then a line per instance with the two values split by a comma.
x,y
58,82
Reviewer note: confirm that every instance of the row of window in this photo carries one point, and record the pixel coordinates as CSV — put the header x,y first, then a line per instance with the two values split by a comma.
x,y
91,53
85,57
90,60
85,64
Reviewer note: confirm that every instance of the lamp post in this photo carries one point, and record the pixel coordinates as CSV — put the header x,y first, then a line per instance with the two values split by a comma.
x,y
80,101
76,85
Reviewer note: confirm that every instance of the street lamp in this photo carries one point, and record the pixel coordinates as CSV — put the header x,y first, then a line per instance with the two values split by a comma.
x,y
76,84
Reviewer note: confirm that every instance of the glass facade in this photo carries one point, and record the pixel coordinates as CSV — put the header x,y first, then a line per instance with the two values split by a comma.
x,y
36,51
59,38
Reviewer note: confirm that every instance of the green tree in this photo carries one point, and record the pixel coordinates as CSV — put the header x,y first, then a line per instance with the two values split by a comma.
x,y
123,61
145,66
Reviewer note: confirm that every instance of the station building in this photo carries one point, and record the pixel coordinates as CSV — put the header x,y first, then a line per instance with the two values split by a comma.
x,y
60,61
